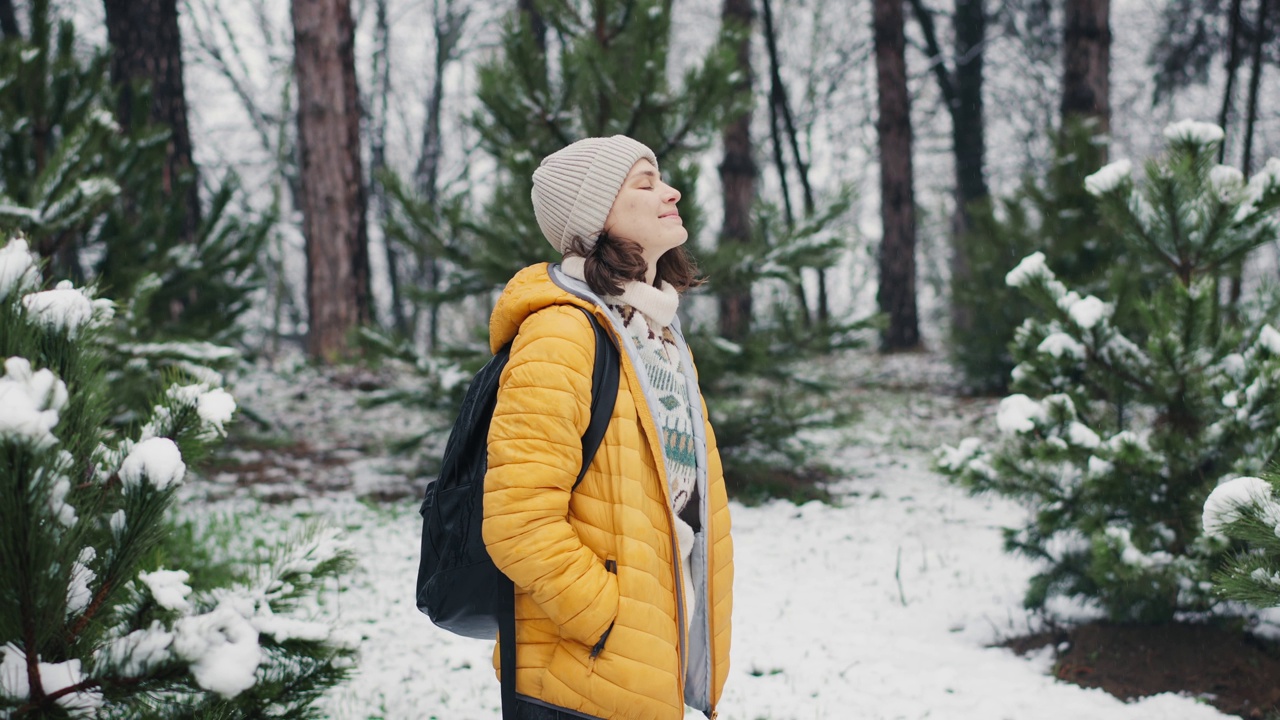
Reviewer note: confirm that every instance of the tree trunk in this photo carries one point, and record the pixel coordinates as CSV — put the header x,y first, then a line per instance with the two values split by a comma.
x,y
9,21
968,138
333,196
1255,83
147,49
780,163
1086,62
1251,115
1233,67
529,9
962,93
897,292
378,155
449,24
738,174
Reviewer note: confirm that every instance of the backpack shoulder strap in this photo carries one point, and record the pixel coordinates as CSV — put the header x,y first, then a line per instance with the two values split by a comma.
x,y
604,393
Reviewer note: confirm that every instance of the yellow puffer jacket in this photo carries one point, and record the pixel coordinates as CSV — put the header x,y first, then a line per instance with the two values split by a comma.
x,y
596,567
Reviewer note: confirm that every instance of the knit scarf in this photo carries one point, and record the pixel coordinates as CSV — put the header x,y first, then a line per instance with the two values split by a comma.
x,y
646,313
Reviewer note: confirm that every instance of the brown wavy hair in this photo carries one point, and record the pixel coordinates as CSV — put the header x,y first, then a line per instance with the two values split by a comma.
x,y
613,262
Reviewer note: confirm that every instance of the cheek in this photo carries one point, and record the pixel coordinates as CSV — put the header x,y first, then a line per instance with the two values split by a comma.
x,y
630,212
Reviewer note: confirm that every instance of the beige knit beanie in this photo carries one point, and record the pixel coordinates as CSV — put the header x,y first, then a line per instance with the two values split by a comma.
x,y
575,186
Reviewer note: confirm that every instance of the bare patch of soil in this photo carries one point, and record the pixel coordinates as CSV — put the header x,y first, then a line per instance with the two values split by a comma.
x,y
1229,668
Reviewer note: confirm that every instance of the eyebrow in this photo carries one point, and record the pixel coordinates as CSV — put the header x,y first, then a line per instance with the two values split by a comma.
x,y
643,173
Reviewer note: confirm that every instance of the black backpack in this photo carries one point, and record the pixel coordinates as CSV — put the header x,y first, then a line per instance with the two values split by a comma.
x,y
459,587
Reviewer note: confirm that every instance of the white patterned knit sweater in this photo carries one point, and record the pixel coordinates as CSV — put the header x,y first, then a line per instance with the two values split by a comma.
x,y
647,313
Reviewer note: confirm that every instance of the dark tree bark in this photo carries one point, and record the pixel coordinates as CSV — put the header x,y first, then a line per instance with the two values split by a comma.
x,y
962,93
1255,84
1233,68
780,112
738,174
530,11
968,130
776,92
146,49
449,23
9,21
897,292
333,195
1086,62
380,102
1251,115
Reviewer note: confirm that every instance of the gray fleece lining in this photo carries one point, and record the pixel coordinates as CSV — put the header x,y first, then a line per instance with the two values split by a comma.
x,y
698,674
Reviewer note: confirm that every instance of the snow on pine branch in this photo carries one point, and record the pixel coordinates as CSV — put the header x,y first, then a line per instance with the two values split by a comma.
x,y
1109,178
213,406
15,682
1229,501
32,401
18,270
155,461
1193,131
63,308
169,588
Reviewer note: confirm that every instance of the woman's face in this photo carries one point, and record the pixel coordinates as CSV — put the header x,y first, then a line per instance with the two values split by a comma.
x,y
645,212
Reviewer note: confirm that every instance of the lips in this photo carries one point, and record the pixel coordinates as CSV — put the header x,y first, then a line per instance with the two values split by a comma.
x,y
673,214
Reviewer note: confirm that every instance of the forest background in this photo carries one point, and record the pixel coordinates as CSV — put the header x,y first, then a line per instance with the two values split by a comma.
x,y
343,184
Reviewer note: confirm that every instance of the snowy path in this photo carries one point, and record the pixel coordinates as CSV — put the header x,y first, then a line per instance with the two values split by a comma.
x,y
880,609
823,627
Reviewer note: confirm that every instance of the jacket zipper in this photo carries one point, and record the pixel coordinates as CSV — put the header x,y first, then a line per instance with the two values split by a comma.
x,y
681,641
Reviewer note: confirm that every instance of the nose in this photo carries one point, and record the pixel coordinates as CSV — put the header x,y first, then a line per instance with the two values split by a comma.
x,y
672,195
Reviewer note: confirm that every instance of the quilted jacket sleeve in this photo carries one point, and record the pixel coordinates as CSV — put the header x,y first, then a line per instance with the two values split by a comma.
x,y
535,453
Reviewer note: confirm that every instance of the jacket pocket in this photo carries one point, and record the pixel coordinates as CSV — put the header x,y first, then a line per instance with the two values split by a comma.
x,y
612,566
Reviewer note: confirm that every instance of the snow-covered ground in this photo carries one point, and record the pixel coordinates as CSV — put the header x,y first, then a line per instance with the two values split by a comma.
x,y
884,606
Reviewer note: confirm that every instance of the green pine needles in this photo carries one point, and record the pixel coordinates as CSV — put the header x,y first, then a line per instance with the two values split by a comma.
x,y
1054,214
1247,509
87,627
93,201
603,68
1125,417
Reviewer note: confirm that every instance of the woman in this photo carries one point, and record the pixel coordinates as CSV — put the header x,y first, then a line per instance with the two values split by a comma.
x,y
624,585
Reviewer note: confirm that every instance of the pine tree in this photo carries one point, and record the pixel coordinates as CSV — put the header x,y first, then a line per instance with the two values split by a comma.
x,y
606,75
1247,509
1116,434
88,626
1054,215
610,76
63,163
767,390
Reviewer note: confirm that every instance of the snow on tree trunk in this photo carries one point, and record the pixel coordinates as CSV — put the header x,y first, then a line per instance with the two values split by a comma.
x,y
333,194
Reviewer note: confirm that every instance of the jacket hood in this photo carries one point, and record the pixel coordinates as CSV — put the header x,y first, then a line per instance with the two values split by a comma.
x,y
531,290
